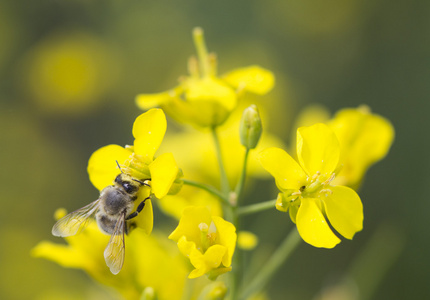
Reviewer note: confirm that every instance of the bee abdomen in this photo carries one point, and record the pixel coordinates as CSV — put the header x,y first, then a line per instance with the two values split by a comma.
x,y
105,224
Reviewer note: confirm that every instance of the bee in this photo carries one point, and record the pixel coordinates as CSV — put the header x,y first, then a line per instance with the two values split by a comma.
x,y
112,211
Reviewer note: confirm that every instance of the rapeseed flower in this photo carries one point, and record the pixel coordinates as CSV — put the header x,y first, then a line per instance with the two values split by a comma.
x,y
307,189
364,138
69,72
203,99
208,241
150,261
138,161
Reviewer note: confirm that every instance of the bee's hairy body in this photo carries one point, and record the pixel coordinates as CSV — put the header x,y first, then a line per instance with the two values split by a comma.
x,y
113,211
114,202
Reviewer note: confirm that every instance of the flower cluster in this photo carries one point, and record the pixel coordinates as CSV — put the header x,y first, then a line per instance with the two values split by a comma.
x,y
203,99
318,189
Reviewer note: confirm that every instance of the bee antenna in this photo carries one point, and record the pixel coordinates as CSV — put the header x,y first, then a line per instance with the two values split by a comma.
x,y
119,166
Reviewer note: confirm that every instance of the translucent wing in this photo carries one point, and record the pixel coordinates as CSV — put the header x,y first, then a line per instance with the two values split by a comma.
x,y
76,221
115,250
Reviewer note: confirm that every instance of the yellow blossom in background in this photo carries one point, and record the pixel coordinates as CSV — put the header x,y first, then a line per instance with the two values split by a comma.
x,y
198,158
69,72
246,240
138,161
203,99
174,205
307,191
208,241
149,262
196,155
364,138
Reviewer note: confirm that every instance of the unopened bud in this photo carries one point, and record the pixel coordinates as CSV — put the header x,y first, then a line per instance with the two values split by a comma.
x,y
214,291
148,294
250,127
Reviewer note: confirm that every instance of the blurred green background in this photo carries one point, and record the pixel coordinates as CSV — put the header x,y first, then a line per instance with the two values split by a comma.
x,y
70,71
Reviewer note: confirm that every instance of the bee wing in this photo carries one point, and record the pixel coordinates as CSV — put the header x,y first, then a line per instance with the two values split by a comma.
x,y
76,221
115,250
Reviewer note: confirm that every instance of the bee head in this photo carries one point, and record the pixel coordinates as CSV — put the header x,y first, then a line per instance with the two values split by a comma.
x,y
127,183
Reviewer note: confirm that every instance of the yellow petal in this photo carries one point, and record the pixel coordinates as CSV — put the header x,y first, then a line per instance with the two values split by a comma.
x,y
313,227
214,255
189,224
202,113
102,167
364,138
253,79
210,260
317,149
148,130
186,247
227,237
198,261
287,172
164,171
65,256
145,219
344,210
147,101
210,89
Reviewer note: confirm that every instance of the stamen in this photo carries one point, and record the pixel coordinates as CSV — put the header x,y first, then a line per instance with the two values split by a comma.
x,y
333,175
316,175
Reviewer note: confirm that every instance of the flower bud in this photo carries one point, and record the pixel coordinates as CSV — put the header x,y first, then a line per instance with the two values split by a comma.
x,y
148,294
214,291
250,127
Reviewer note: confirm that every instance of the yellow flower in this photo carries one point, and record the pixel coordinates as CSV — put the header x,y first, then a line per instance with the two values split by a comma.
x,y
69,72
307,190
138,161
208,241
203,99
246,240
364,138
174,205
149,262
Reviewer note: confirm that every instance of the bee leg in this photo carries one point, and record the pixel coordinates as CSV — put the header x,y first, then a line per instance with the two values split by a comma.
x,y
138,210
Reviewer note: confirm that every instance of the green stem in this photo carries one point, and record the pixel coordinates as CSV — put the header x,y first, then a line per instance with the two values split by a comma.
x,y
275,262
241,182
208,188
253,208
225,186
237,258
